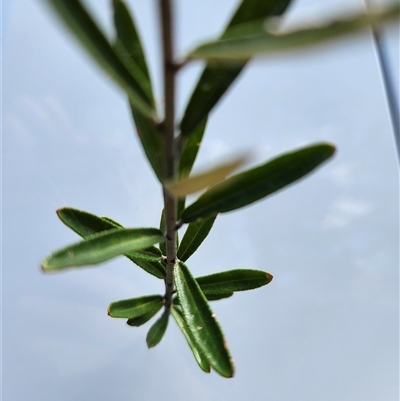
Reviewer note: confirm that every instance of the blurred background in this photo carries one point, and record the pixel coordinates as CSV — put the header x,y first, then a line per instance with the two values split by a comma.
x,y
326,328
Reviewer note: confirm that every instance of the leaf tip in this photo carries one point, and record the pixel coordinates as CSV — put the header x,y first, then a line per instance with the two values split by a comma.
x,y
269,277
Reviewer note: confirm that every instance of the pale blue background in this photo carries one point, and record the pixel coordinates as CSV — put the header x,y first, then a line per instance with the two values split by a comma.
x,y
325,329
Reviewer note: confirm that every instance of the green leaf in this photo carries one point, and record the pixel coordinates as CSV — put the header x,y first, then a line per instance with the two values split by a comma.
x,y
100,247
250,186
195,234
215,80
150,139
255,38
209,297
198,182
135,307
86,224
197,353
130,49
142,319
163,229
80,23
233,280
129,39
217,297
190,148
157,331
201,322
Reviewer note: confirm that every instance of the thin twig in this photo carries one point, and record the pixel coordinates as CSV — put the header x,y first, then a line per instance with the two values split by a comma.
x,y
388,83
168,133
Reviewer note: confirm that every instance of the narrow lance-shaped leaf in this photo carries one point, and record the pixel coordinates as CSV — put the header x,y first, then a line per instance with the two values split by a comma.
x,y
81,24
142,319
215,80
150,139
197,353
195,234
233,280
198,182
86,224
157,331
98,248
209,297
201,322
250,186
256,39
134,307
189,146
129,48
129,38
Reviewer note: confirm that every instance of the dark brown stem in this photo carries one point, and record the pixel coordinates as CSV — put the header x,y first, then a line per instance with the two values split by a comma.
x,y
169,154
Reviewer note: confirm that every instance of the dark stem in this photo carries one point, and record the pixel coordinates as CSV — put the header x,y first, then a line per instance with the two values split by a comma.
x,y
169,154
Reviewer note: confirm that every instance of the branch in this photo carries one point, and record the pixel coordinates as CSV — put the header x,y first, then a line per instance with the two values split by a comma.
x,y
169,154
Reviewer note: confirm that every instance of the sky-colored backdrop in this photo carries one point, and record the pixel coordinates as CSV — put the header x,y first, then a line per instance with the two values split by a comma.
x,y
325,329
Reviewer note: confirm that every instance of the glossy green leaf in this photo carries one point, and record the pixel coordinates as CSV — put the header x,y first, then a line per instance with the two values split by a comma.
x,y
195,183
197,353
150,139
233,280
134,307
75,16
86,224
100,247
256,39
142,319
201,322
129,39
250,186
157,331
215,80
195,234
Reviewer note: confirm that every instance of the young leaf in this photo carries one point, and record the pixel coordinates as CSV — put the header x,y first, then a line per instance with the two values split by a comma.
x,y
215,80
100,247
233,280
201,322
197,353
132,308
142,319
129,38
157,331
250,186
198,182
195,234
86,224
257,40
75,16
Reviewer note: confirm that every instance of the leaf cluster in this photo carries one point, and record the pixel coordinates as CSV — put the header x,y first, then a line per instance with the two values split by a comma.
x,y
248,34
